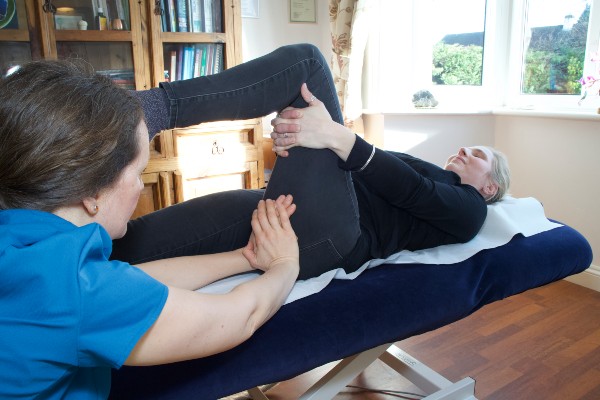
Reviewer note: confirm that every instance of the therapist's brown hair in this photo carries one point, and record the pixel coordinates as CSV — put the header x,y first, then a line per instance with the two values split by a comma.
x,y
65,134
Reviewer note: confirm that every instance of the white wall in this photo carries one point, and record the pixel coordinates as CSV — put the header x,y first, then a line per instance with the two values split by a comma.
x,y
433,137
273,29
557,161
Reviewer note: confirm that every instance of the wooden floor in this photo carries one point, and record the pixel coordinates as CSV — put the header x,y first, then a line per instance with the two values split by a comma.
x,y
542,344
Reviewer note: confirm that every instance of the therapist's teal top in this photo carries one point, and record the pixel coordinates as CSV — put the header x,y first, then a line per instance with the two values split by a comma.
x,y
67,314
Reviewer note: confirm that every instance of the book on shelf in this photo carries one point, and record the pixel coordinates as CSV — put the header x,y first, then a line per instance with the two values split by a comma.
x,y
164,20
125,78
191,16
197,17
188,62
182,15
218,67
185,61
173,67
180,63
208,19
197,61
217,16
203,60
172,13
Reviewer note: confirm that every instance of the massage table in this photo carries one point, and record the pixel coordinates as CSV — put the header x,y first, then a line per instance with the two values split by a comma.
x,y
358,320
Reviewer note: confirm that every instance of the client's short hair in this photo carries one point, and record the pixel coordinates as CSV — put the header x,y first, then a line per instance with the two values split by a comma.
x,y
500,174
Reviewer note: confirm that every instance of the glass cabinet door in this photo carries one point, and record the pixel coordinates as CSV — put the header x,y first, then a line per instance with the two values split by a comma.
x,y
106,33
191,38
15,46
113,59
98,15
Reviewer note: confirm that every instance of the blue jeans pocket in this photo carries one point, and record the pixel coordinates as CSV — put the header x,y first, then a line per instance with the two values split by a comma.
x,y
318,258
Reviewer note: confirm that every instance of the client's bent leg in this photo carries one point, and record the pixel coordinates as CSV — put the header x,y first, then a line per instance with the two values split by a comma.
x,y
253,89
326,220
209,224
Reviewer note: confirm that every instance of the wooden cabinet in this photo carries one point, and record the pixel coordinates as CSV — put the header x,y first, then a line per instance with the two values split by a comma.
x,y
203,159
139,50
134,50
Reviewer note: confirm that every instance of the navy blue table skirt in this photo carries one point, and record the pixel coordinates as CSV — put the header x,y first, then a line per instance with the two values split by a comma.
x,y
384,304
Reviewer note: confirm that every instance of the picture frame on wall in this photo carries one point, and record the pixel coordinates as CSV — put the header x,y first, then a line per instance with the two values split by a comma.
x,y
250,8
303,11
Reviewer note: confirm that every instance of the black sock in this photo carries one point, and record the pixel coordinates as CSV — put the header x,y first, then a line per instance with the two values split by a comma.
x,y
155,104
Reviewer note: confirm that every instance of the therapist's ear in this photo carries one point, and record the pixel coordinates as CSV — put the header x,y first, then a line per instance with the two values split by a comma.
x,y
91,205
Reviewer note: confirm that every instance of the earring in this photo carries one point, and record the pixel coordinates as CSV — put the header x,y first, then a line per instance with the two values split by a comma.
x,y
95,211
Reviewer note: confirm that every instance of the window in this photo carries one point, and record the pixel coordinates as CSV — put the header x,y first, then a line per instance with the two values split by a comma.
x,y
458,41
555,41
433,45
516,53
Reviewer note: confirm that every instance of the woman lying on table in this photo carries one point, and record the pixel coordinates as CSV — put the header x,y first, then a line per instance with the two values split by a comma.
x,y
353,203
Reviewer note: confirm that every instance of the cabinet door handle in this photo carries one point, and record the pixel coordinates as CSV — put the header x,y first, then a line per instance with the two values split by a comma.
x,y
157,8
49,7
216,149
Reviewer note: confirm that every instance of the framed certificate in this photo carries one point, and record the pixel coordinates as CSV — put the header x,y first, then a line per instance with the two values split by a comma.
x,y
250,8
303,11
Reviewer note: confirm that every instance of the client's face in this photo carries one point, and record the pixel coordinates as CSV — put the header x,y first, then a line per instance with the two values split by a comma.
x,y
120,200
473,165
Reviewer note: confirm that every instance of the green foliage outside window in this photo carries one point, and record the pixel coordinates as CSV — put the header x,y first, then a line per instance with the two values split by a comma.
x,y
553,72
553,62
457,65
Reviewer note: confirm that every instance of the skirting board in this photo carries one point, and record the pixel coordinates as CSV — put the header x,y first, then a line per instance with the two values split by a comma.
x,y
590,278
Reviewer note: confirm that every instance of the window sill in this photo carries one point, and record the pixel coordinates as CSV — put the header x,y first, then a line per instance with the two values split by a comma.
x,y
437,111
504,111
549,113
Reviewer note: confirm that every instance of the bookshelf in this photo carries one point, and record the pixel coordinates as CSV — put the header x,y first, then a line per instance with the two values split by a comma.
x,y
175,43
138,45
136,48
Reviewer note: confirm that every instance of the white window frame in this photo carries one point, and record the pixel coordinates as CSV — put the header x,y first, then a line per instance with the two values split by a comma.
x,y
402,72
514,98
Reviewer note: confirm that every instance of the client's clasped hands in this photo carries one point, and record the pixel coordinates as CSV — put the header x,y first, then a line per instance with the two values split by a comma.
x,y
310,127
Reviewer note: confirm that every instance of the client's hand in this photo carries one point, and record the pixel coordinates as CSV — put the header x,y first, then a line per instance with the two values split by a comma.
x,y
310,127
273,240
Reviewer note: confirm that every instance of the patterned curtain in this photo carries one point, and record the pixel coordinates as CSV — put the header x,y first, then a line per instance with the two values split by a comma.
x,y
349,21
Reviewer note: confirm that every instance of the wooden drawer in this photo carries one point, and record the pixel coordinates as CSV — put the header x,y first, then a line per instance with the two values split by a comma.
x,y
189,187
205,154
208,158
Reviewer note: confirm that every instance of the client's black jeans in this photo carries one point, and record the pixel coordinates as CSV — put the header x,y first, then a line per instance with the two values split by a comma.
x,y
326,221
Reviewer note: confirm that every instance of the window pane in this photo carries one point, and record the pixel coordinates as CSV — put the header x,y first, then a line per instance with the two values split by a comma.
x,y
554,42
458,33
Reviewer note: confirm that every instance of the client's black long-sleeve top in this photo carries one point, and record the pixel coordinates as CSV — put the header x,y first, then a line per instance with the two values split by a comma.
x,y
408,203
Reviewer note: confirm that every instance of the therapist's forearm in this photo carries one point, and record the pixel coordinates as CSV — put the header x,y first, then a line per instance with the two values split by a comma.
x,y
194,272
